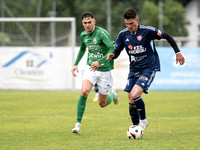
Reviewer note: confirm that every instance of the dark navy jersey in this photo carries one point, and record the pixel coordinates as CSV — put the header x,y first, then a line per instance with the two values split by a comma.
x,y
140,47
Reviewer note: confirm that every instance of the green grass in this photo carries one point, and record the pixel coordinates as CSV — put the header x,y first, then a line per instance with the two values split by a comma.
x,y
42,120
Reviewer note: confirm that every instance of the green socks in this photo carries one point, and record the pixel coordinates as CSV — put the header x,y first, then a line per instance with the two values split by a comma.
x,y
82,103
110,98
81,108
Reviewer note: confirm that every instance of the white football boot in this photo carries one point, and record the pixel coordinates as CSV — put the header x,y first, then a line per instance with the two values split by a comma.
x,y
116,99
143,124
76,130
96,98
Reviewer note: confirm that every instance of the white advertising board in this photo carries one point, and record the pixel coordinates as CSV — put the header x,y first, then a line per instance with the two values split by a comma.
x,y
48,68
35,68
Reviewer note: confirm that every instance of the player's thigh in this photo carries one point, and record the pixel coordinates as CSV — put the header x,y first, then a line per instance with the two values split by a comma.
x,y
132,88
105,82
130,83
86,87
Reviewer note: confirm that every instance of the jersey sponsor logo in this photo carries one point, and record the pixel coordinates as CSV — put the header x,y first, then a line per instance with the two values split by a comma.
x,y
94,48
159,33
127,40
130,47
98,55
95,41
137,59
139,37
137,49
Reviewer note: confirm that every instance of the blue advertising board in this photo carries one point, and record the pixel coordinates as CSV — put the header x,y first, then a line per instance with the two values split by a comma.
x,y
174,76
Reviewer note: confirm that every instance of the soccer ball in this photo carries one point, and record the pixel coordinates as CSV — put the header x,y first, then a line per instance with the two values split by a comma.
x,y
134,132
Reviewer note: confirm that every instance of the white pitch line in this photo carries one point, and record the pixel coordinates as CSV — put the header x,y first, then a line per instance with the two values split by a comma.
x,y
172,118
67,117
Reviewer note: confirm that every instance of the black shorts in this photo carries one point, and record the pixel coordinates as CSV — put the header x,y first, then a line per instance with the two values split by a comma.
x,y
142,78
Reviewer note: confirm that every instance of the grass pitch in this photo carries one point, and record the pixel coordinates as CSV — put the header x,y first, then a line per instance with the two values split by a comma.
x,y
42,120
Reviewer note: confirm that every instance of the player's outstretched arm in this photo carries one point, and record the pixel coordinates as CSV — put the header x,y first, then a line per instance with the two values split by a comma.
x,y
75,68
180,58
113,55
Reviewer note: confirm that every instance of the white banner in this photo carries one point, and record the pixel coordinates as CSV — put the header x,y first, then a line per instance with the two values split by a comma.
x,y
35,68
47,68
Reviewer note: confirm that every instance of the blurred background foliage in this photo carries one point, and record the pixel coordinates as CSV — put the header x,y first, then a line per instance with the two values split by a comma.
x,y
174,21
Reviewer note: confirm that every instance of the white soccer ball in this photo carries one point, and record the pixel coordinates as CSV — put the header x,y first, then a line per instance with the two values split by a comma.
x,y
135,132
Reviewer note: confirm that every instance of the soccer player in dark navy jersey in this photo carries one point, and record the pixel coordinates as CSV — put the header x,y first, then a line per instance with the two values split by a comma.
x,y
144,61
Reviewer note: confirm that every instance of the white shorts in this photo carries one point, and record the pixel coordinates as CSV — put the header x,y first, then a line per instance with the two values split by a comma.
x,y
104,80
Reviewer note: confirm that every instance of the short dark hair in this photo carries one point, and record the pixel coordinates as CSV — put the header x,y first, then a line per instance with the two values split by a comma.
x,y
87,14
130,14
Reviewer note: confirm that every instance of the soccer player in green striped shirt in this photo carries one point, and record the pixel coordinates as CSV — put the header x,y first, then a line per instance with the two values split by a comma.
x,y
98,70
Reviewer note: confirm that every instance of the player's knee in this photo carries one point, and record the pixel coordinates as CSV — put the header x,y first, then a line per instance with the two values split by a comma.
x,y
85,92
136,92
135,95
102,104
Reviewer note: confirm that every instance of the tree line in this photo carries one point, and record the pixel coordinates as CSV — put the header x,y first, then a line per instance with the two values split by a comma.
x,y
174,21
